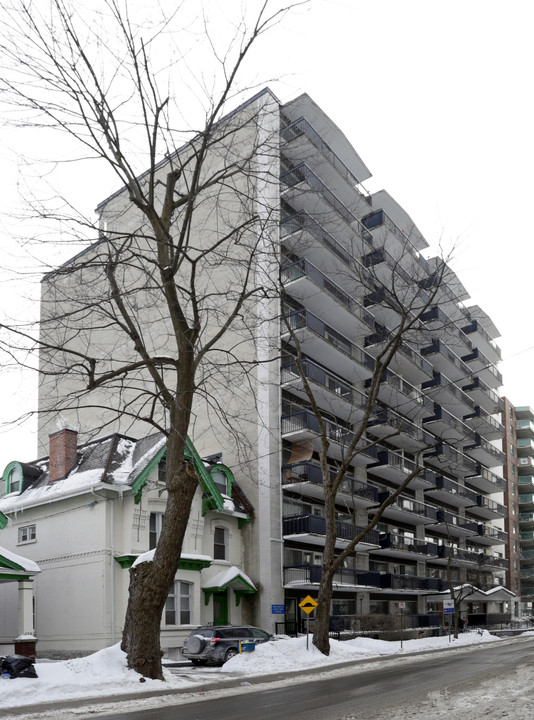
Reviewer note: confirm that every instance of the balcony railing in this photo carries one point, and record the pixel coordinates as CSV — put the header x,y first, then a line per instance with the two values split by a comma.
x,y
302,221
393,541
440,380
299,319
494,482
302,127
485,363
308,472
316,525
305,420
476,327
438,349
407,504
302,173
497,402
492,533
380,217
455,521
289,372
443,483
303,268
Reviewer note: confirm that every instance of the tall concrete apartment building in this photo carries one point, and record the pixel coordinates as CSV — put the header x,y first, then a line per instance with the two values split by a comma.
x,y
341,251
519,469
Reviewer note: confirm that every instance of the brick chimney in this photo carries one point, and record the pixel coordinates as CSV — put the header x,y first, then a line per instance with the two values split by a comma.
x,y
63,453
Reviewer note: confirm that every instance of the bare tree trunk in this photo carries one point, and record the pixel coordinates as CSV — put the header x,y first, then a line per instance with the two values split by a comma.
x,y
150,582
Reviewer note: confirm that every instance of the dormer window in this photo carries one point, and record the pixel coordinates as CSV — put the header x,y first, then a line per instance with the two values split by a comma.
x,y
13,478
219,478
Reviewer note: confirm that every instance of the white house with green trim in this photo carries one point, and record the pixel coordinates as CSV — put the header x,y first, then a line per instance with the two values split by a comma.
x,y
83,515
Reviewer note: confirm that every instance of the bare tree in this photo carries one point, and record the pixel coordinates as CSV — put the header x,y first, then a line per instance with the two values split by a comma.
x,y
159,311
402,299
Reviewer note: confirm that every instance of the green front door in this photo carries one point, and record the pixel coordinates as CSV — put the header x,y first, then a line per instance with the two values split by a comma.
x,y
220,608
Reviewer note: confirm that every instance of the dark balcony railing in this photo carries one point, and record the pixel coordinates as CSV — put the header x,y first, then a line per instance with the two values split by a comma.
x,y
482,444
484,502
392,541
302,221
486,364
302,173
403,502
451,520
316,525
439,380
493,533
478,384
443,483
303,268
312,371
499,483
380,217
439,348
305,420
299,319
308,472
476,327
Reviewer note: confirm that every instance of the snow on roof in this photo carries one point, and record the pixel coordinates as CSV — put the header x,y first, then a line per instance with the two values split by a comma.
x,y
25,564
223,578
149,557
115,460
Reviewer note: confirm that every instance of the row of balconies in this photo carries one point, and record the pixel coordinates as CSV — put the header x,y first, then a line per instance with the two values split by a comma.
x,y
311,574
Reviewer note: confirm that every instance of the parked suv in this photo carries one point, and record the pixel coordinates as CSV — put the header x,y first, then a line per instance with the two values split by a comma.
x,y
218,643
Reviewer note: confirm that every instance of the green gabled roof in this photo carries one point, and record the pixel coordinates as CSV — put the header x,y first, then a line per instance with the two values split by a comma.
x,y
3,521
214,499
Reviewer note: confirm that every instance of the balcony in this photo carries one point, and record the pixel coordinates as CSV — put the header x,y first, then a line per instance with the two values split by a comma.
x,y
303,425
378,221
319,294
437,321
525,446
453,525
395,468
482,338
526,502
311,529
391,581
525,465
484,424
488,535
457,556
487,509
396,392
451,493
303,235
445,361
449,395
300,185
306,479
328,346
410,437
402,547
526,520
304,575
406,361
526,483
448,427
484,452
448,459
332,393
483,368
527,538
485,481
524,428
484,396
406,510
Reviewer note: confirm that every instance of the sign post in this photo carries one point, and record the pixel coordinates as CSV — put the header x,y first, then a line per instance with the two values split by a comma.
x,y
308,605
448,609
402,605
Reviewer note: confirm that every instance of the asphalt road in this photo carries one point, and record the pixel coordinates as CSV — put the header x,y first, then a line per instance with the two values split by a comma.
x,y
362,693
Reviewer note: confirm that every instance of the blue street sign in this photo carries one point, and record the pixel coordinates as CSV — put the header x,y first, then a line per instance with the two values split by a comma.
x,y
278,609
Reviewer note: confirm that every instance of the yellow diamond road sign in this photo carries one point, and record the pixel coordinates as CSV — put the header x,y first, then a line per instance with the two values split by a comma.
x,y
308,604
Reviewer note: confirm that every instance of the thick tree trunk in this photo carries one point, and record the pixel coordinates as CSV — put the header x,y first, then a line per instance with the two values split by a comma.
x,y
321,637
151,582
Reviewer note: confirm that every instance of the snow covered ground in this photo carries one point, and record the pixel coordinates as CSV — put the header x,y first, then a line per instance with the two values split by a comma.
x,y
105,673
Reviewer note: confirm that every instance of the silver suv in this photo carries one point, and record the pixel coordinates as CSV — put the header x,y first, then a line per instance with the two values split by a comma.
x,y
215,644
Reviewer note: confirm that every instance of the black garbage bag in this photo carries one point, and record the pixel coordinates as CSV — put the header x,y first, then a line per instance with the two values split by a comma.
x,y
18,666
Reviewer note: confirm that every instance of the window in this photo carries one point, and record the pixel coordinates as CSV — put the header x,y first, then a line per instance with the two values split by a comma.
x,y
154,531
27,534
219,478
14,480
220,541
179,605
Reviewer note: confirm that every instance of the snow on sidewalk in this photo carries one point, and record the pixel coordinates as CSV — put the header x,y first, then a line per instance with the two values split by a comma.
x,y
105,673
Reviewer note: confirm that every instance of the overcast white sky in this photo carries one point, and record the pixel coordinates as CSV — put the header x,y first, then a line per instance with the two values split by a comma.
x,y
436,97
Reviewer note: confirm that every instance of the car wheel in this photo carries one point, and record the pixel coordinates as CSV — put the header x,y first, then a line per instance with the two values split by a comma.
x,y
199,662
232,652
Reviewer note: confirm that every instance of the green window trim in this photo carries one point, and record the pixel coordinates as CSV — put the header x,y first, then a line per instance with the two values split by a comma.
x,y
3,520
6,477
213,499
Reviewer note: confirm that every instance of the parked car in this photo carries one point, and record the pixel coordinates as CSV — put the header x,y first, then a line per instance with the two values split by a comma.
x,y
215,644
